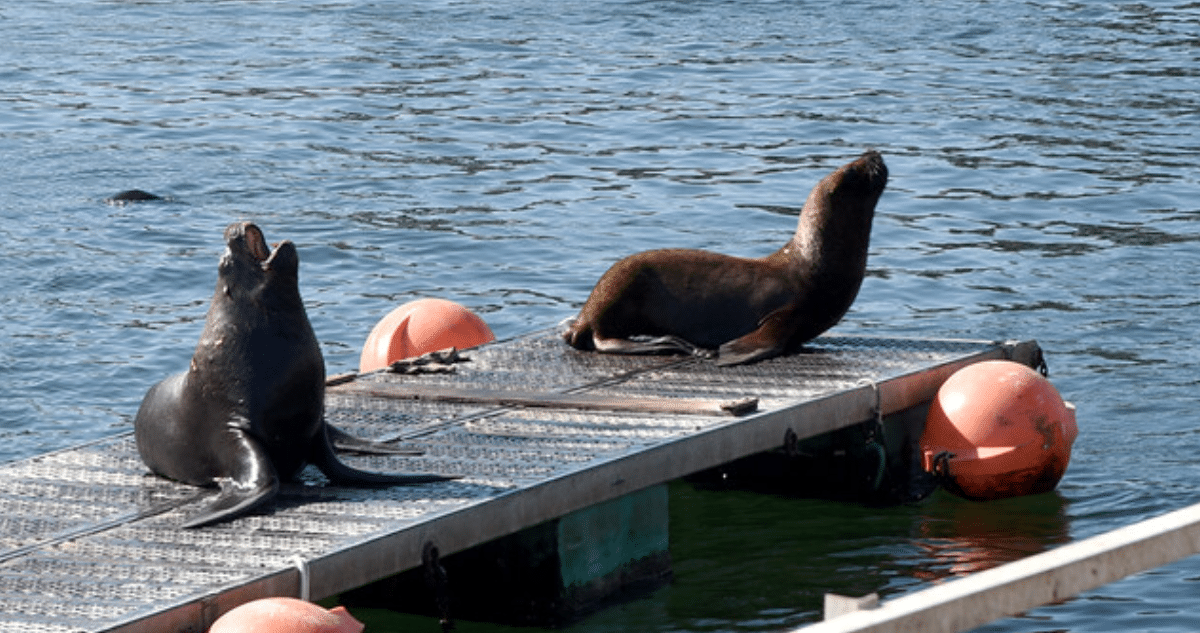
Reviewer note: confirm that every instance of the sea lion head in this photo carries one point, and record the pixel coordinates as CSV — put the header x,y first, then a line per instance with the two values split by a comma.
x,y
131,196
249,269
835,224
871,169
854,188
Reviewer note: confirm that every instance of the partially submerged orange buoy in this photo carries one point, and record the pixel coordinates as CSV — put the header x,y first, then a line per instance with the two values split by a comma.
x,y
998,429
419,327
286,615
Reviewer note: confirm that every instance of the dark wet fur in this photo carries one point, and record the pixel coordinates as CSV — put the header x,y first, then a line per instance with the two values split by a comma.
x,y
132,195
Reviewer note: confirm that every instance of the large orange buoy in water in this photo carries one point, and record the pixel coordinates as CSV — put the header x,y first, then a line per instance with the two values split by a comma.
x,y
998,429
419,327
286,615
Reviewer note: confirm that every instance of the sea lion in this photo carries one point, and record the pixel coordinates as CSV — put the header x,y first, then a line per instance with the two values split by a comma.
x,y
692,301
249,411
132,195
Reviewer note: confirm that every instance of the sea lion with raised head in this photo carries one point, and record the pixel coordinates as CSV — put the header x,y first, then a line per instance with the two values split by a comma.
x,y
249,412
694,301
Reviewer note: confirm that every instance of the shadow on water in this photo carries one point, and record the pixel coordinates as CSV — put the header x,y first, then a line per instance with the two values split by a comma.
x,y
959,537
738,555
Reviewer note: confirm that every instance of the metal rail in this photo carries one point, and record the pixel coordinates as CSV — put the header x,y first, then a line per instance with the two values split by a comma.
x,y
1051,576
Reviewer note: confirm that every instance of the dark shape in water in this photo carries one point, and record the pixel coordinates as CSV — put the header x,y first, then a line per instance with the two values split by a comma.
x,y
132,195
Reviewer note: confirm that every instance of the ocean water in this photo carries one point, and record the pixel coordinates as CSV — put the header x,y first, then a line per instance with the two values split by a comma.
x,y
1043,186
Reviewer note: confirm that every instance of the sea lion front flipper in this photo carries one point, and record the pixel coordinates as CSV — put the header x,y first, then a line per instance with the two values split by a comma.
x,y
343,441
251,482
768,340
324,458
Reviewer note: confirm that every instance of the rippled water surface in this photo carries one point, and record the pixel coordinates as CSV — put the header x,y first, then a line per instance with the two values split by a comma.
x,y
1043,185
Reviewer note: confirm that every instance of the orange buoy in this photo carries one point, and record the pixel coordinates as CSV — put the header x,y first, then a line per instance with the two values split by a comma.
x,y
998,429
286,615
419,327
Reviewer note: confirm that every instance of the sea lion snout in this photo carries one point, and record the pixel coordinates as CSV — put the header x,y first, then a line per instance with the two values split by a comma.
x,y
871,168
247,255
862,180
246,240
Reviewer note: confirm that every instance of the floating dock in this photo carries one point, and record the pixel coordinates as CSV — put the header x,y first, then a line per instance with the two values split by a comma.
x,y
90,541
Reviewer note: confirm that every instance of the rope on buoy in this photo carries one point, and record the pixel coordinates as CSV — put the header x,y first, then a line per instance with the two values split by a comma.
x,y
437,580
882,469
302,566
875,436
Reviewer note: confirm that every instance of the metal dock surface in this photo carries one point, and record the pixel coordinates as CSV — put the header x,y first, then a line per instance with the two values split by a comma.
x,y
90,541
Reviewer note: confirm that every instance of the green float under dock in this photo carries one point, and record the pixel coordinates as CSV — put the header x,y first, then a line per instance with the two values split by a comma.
x,y
571,445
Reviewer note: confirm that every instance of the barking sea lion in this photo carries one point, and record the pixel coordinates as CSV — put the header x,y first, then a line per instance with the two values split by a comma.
x,y
249,411
692,301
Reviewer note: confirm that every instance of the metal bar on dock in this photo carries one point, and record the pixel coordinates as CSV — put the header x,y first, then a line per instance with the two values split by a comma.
x,y
585,401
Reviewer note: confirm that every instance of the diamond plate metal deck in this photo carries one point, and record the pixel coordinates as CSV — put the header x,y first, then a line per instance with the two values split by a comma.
x,y
90,541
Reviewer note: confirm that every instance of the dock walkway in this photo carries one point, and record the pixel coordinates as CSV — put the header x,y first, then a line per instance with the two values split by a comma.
x,y
89,541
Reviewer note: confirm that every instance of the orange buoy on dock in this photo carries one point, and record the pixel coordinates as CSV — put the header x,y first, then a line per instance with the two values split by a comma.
x,y
286,615
419,327
998,429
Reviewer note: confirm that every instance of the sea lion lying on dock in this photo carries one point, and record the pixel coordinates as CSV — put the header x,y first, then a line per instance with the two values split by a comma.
x,y
249,411
694,301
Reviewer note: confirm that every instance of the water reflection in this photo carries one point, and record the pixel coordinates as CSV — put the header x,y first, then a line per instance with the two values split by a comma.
x,y
957,537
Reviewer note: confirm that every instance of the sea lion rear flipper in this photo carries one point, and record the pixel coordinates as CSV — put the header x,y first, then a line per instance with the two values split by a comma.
x,y
767,341
343,441
252,482
657,345
324,458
